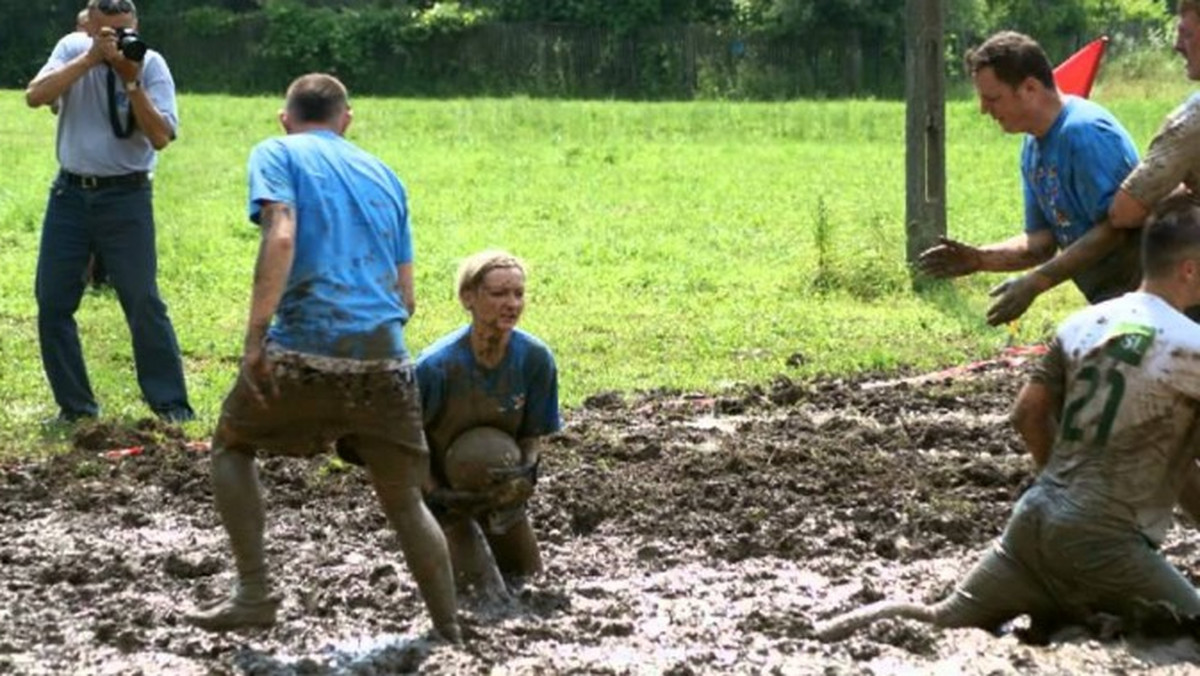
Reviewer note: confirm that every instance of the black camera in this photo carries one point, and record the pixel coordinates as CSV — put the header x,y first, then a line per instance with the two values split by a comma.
x,y
130,45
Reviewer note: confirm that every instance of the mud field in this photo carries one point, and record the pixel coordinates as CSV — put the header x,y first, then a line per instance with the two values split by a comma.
x,y
683,534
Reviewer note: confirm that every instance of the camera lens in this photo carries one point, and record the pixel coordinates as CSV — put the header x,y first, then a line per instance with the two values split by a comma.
x,y
131,45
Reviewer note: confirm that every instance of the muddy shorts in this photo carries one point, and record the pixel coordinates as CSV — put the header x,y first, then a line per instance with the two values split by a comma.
x,y
1055,566
317,407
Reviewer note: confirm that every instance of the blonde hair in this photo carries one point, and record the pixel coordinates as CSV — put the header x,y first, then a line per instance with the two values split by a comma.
x,y
476,266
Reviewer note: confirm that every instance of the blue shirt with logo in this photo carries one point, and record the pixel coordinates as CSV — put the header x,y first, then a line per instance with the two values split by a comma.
x,y
519,396
352,232
1071,175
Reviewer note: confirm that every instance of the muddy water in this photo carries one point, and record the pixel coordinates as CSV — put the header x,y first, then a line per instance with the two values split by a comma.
x,y
683,534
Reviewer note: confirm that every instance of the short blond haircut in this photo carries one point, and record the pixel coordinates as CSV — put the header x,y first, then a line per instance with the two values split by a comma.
x,y
476,266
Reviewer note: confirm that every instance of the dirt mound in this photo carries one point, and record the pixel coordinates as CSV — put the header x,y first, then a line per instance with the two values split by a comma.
x,y
683,534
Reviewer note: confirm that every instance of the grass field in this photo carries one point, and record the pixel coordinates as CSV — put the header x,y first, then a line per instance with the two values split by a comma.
x,y
686,245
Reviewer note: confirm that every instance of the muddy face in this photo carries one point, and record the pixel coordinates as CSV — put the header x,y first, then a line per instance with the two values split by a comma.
x,y
497,302
680,533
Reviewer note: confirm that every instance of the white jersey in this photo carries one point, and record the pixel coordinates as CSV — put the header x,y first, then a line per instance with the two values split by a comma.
x,y
1128,371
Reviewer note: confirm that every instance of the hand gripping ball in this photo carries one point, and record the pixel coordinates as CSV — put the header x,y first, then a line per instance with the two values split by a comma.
x,y
476,451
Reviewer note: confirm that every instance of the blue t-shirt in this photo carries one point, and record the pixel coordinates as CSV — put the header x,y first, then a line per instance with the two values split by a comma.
x,y
1071,175
518,396
352,231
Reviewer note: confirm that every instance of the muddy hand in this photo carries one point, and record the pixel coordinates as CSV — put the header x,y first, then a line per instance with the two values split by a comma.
x,y
511,493
950,258
528,471
258,376
462,502
1013,298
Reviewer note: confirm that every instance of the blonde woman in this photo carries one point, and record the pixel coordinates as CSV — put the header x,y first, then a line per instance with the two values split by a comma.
x,y
489,375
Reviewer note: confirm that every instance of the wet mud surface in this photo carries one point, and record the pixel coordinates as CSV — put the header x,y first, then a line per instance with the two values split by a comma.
x,y
682,534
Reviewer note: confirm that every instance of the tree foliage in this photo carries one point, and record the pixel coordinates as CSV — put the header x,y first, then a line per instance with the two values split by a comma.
x,y
264,39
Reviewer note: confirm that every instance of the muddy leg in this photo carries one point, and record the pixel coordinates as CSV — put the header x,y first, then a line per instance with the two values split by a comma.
x,y
843,625
516,549
239,503
397,476
472,560
954,612
996,590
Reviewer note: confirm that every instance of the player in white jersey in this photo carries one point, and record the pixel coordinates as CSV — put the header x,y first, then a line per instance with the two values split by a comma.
x,y
1110,417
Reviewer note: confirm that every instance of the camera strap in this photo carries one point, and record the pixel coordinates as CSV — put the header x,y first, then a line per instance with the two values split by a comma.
x,y
114,115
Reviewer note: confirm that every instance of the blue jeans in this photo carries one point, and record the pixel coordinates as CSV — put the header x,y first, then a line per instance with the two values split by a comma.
x,y
118,222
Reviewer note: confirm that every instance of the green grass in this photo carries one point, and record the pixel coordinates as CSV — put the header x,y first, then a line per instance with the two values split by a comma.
x,y
679,245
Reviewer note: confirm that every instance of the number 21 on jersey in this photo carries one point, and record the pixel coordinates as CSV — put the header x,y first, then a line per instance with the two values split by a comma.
x,y
1125,344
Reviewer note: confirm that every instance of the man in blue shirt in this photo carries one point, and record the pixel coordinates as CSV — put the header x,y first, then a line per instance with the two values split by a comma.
x,y
116,108
335,274
489,374
1073,160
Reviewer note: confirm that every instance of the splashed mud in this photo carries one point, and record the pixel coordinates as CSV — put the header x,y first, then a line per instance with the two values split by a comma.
x,y
683,534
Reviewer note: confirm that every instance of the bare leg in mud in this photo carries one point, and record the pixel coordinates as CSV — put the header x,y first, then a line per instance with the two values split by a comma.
x,y
947,614
239,503
997,590
397,478
471,557
516,550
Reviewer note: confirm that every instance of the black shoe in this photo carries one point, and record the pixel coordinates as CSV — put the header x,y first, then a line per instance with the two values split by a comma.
x,y
176,415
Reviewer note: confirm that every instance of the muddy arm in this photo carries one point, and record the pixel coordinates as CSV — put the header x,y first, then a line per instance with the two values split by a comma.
x,y
1035,413
1189,495
531,449
1082,254
1033,417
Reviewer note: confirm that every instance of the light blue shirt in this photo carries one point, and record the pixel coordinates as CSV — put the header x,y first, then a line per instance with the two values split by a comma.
x,y
352,233
1071,175
1073,171
86,143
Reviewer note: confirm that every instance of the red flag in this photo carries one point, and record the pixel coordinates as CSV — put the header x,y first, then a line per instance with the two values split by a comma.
x,y
1078,72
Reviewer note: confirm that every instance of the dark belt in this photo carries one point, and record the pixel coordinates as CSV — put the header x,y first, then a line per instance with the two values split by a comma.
x,y
99,182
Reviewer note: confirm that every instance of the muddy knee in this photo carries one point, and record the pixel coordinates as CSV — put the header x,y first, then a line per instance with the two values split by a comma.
x,y
959,610
516,547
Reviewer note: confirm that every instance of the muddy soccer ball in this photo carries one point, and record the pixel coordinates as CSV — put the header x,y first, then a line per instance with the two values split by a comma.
x,y
475,452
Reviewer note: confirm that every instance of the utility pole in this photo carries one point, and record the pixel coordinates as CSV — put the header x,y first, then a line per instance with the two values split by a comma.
x,y
925,129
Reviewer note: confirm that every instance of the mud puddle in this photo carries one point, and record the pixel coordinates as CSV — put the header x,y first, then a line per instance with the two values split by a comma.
x,y
683,534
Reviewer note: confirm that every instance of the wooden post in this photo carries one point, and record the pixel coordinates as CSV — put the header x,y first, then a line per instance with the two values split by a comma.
x,y
925,131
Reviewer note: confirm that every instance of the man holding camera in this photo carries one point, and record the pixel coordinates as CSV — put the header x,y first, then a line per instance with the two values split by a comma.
x,y
116,103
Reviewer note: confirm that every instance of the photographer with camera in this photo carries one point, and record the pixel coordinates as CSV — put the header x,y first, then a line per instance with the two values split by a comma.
x,y
116,102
